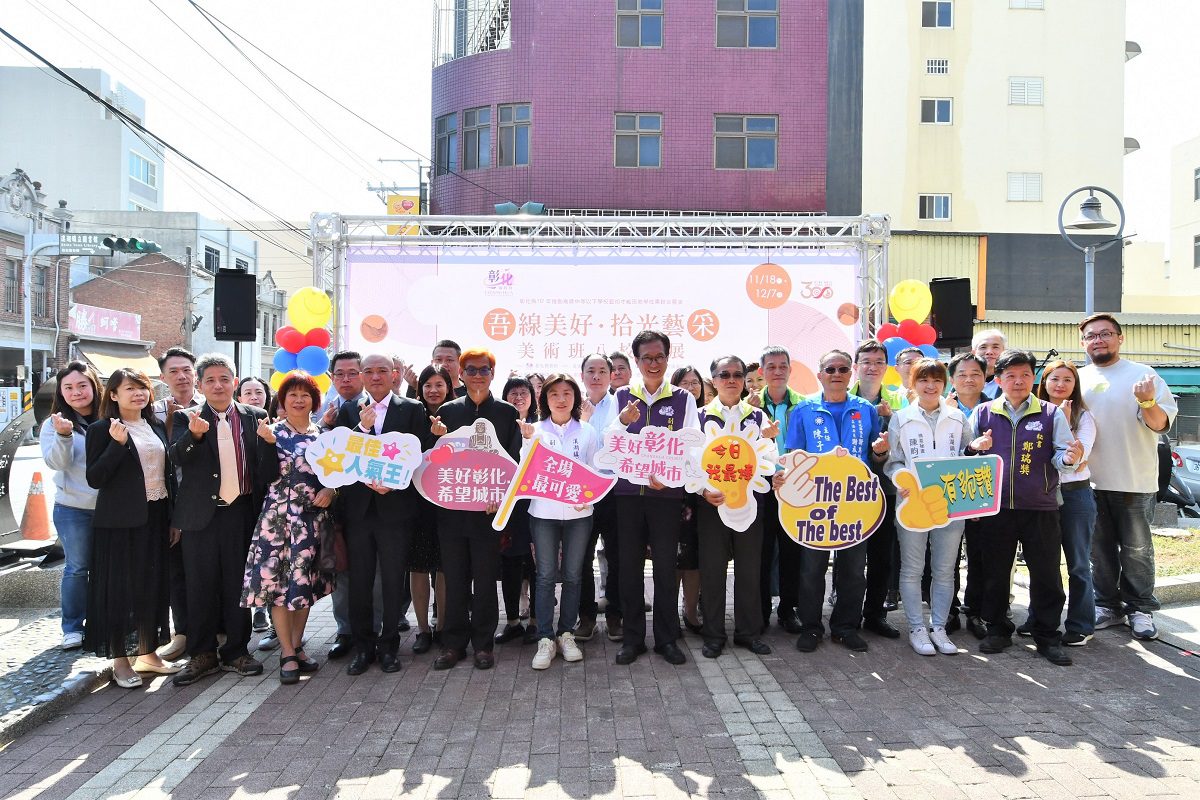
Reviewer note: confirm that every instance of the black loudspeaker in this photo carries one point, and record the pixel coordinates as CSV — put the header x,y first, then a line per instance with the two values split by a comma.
x,y
235,306
953,313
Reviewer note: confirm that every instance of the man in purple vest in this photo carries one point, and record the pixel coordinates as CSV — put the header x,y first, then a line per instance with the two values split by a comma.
x,y
1035,443
650,514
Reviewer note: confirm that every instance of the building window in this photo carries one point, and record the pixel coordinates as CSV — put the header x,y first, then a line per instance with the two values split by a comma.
x,y
937,66
212,259
1029,5
138,207
1196,252
445,133
477,138
12,285
37,292
1025,187
143,169
242,264
265,329
639,23
638,140
937,110
746,142
747,23
1196,184
937,14
933,206
1025,91
514,135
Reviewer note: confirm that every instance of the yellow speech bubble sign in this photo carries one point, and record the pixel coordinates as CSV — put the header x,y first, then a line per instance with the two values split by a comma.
x,y
829,501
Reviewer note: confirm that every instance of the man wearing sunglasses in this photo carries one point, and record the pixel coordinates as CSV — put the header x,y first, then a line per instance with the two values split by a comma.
x,y
820,424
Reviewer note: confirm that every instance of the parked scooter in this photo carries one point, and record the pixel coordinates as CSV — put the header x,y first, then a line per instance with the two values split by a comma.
x,y
1171,489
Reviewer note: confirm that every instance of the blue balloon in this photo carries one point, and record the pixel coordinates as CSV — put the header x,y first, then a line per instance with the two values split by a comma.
x,y
894,345
929,350
284,361
312,360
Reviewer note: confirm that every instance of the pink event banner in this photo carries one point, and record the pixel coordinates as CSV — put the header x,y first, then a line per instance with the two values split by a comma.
x,y
544,309
86,320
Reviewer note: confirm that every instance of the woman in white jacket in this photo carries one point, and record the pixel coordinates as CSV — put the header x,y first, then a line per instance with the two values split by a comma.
x,y
558,528
927,428
76,401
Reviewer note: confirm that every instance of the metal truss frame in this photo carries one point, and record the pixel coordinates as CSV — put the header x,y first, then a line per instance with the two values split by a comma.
x,y
867,235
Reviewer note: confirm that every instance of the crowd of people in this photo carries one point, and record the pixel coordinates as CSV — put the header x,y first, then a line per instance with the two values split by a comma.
x,y
191,523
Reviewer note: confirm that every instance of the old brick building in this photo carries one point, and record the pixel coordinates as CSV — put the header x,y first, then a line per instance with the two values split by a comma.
x,y
154,286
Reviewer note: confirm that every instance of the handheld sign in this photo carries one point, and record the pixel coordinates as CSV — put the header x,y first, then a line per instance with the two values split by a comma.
x,y
945,489
547,475
670,456
341,457
467,470
829,501
734,462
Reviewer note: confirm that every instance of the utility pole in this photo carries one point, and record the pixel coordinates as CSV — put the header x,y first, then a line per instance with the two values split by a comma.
x,y
188,299
417,165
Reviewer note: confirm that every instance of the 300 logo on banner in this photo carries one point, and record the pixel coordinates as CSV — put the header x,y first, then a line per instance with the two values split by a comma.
x,y
816,290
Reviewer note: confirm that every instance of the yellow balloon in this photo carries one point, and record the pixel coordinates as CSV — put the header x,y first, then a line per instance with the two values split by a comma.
x,y
891,378
909,300
277,380
309,308
324,382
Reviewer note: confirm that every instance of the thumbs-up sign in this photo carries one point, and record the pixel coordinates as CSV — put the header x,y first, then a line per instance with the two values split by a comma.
x,y
264,432
983,443
62,425
631,413
197,424
921,509
437,427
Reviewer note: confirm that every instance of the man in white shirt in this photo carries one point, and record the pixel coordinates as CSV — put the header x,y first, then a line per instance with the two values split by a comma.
x,y
988,345
1132,405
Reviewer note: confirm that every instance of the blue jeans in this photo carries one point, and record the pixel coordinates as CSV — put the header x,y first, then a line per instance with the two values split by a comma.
x,y
943,546
1123,552
1077,518
549,535
74,527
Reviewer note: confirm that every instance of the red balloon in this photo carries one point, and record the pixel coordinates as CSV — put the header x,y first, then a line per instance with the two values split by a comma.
x,y
317,337
887,331
926,334
289,339
909,330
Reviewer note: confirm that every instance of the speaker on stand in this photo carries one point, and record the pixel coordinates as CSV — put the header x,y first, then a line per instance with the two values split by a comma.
x,y
953,313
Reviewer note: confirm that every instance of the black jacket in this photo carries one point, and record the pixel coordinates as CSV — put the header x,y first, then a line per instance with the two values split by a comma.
x,y
357,500
503,416
200,466
116,471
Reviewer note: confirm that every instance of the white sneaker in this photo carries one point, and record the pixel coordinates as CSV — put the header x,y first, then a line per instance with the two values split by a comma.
x,y
72,640
570,651
1143,625
919,639
545,654
941,640
1106,618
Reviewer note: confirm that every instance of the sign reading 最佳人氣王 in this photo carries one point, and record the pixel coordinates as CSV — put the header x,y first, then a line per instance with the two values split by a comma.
x,y
828,501
737,463
467,470
941,490
342,456
672,457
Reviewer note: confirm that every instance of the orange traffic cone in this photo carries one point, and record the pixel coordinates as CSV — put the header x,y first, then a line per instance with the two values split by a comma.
x,y
35,522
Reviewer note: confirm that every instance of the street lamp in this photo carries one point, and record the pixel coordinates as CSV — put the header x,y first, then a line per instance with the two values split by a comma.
x,y
1090,218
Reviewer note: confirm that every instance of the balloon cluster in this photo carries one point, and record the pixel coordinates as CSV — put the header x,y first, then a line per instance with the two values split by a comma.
x,y
302,344
909,303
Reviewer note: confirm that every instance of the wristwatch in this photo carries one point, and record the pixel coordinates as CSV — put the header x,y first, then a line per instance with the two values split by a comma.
x,y
1151,403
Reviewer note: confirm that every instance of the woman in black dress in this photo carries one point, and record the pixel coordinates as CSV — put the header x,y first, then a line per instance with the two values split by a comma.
x,y
517,568
425,557
129,596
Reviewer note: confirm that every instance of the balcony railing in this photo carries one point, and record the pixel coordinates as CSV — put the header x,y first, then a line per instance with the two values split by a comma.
x,y
466,27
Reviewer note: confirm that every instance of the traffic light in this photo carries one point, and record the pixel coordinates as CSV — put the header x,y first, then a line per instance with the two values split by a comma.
x,y
119,244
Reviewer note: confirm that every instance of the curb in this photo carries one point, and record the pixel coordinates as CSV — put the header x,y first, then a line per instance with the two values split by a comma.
x,y
1178,589
50,704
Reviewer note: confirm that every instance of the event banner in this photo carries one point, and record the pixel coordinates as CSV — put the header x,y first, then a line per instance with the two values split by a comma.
x,y
341,457
548,475
667,455
829,501
736,463
467,470
543,309
945,489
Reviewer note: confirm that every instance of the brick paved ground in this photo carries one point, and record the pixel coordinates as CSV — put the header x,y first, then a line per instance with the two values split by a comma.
x,y
888,723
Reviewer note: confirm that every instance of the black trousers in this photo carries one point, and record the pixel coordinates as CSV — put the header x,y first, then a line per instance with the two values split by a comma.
x,y
881,549
604,523
215,567
973,543
776,543
718,544
471,563
178,588
1041,540
374,544
849,573
642,520
513,570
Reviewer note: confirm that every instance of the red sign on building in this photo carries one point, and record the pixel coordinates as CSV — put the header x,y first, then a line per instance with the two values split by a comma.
x,y
96,321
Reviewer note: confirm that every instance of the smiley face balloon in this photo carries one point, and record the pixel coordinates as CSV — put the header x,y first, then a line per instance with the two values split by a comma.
x,y
910,300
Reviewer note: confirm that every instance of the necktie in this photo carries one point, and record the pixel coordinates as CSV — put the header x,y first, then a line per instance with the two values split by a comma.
x,y
230,486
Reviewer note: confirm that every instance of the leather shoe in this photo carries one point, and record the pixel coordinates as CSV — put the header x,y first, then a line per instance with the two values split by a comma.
x,y
447,659
953,623
851,641
404,626
756,646
671,652
881,627
693,627
711,650
1054,653
389,662
977,627
342,645
790,622
629,653
995,644
358,665
510,632
484,660
423,643
807,642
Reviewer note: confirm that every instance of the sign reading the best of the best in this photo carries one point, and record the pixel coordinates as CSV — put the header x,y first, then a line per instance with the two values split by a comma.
x,y
829,501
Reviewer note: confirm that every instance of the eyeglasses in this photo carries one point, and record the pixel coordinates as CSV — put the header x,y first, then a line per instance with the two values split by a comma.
x,y
872,363
725,376
836,370
343,376
471,372
659,359
1101,335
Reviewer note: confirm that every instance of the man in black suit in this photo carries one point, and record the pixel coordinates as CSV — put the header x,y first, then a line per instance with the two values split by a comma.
x,y
218,502
378,521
